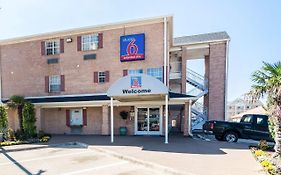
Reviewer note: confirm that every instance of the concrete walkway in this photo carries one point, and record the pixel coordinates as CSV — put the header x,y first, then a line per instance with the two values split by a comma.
x,y
182,154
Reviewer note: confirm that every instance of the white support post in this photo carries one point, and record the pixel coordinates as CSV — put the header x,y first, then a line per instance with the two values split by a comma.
x,y
111,119
165,51
189,119
166,119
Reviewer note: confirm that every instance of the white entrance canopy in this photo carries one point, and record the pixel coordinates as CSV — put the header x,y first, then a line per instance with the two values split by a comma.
x,y
138,87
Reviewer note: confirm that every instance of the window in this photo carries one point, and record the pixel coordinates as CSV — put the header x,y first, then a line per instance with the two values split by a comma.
x,y
135,71
261,120
155,72
52,47
55,83
101,77
247,119
89,42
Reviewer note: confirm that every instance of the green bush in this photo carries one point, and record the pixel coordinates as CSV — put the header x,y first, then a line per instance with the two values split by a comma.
x,y
45,139
11,135
41,134
263,145
29,120
20,135
3,119
9,143
271,126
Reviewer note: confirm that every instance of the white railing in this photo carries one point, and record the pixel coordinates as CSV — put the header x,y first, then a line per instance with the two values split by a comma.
x,y
195,77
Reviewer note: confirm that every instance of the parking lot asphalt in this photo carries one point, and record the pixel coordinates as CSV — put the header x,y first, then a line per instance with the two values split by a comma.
x,y
66,161
129,155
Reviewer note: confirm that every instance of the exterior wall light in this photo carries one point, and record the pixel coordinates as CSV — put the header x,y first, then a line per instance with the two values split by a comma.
x,y
68,40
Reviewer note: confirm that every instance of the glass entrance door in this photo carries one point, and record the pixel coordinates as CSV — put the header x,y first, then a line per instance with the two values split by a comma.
x,y
148,121
142,119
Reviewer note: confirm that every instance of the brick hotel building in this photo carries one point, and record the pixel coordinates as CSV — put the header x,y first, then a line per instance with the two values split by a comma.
x,y
80,80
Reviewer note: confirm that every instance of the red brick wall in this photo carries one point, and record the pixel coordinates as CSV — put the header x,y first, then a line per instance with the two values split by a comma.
x,y
217,70
24,69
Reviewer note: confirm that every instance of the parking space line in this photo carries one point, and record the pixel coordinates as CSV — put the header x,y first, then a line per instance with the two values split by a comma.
x,y
44,158
95,168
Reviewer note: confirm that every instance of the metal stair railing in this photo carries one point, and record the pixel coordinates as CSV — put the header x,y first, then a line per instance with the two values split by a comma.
x,y
200,116
196,79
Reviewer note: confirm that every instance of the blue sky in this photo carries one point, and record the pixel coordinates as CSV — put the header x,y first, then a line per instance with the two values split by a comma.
x,y
253,25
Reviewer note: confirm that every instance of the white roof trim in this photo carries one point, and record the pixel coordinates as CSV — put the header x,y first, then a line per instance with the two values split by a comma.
x,y
82,30
202,42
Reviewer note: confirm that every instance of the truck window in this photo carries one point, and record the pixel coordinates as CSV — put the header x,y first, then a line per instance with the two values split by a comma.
x,y
247,119
261,120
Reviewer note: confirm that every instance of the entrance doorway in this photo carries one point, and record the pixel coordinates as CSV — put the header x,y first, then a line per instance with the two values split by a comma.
x,y
148,121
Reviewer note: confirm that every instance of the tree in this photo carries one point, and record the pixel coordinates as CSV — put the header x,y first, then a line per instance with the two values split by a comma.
x,y
29,119
267,81
3,119
17,102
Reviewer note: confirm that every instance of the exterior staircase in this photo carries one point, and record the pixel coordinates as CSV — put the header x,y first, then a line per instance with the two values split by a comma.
x,y
200,88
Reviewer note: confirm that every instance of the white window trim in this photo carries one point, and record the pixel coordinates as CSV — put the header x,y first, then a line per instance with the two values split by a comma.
x,y
53,47
104,76
89,42
50,80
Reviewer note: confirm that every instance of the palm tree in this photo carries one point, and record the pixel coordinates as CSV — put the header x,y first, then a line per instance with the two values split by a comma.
x,y
17,102
267,81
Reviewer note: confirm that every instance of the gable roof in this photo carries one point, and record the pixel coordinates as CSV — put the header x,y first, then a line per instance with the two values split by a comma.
x,y
201,38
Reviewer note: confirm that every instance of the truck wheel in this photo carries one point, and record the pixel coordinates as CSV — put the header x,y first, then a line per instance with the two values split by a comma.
x,y
230,136
219,138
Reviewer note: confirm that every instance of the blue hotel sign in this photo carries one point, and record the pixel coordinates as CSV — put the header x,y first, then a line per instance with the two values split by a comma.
x,y
132,47
136,82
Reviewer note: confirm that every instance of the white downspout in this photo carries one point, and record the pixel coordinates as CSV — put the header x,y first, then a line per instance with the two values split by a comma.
x,y
165,51
189,119
111,120
166,119
226,80
0,76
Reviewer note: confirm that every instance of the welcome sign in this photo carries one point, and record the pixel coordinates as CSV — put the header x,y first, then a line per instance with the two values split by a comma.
x,y
132,47
135,85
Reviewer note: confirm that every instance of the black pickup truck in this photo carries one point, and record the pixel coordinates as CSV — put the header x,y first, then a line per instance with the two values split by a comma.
x,y
251,126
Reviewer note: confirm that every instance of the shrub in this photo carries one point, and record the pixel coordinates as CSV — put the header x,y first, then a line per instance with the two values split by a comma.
x,y
259,153
266,163
20,135
3,119
263,145
41,134
271,126
10,135
44,139
9,143
29,120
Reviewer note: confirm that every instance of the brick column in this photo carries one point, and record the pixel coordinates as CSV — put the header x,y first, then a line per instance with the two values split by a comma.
x,y
38,115
105,120
217,81
185,119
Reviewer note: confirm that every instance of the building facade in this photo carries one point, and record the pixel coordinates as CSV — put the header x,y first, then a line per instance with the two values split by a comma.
x,y
241,105
67,76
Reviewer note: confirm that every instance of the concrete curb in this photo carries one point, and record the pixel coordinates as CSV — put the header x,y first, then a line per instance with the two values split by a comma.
x,y
24,147
147,164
